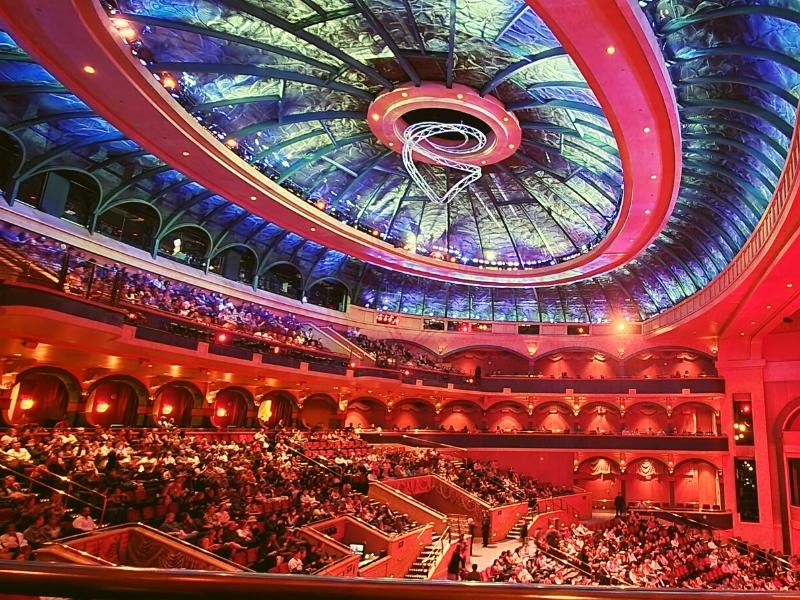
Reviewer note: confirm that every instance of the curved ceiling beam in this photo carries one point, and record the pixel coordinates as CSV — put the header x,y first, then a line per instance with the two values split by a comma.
x,y
631,84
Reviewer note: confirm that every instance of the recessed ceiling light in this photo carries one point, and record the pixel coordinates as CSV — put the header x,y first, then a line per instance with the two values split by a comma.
x,y
404,94
89,69
647,211
610,50
376,117
646,130
313,229
653,176
460,96
253,198
511,146
184,153
505,119
769,306
788,285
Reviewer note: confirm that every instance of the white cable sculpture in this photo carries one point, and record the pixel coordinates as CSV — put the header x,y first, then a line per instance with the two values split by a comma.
x,y
414,138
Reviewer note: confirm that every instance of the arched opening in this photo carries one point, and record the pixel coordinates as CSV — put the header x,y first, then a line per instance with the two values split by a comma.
x,y
647,482
329,293
599,417
237,263
490,361
41,396
284,279
365,413
11,156
697,485
277,408
175,400
115,400
319,412
412,414
461,415
133,223
188,245
552,416
787,430
230,407
645,418
670,363
63,193
576,363
694,418
601,477
506,417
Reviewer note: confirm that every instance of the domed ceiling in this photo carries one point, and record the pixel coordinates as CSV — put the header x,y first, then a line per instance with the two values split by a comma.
x,y
288,86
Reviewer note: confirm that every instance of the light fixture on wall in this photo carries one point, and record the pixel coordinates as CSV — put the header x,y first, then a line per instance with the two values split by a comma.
x,y
222,412
101,407
166,409
26,403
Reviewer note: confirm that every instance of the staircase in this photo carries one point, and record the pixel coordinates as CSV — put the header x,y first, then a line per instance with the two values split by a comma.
x,y
336,342
515,532
427,559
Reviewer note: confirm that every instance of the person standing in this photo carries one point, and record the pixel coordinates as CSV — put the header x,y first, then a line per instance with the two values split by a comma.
x,y
523,533
471,529
485,528
456,563
619,505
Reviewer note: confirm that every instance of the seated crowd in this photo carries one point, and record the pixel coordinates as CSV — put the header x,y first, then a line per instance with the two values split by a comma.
x,y
394,355
641,552
151,292
220,496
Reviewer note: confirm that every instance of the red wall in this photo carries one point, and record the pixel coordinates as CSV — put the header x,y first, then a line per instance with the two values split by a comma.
x,y
489,361
552,467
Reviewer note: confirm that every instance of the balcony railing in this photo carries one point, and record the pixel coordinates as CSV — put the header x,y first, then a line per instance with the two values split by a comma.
x,y
112,583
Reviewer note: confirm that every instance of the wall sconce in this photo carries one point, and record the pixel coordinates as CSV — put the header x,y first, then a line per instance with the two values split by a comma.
x,y
166,409
343,404
221,412
438,407
532,348
102,407
621,351
26,403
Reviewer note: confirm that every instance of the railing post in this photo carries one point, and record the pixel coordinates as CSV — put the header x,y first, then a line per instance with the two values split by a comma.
x,y
64,271
90,280
116,288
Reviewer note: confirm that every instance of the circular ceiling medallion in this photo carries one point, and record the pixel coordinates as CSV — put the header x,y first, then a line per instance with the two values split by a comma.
x,y
391,113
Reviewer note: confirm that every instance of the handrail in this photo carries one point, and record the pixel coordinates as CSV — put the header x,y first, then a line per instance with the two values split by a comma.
x,y
736,540
33,481
568,563
442,444
309,458
439,553
122,583
146,529
410,499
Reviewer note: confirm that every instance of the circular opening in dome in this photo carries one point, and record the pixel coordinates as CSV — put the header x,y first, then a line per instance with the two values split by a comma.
x,y
446,115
